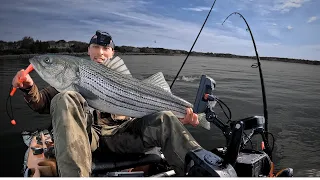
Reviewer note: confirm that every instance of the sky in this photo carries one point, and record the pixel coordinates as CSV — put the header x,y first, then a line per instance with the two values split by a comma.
x,y
281,28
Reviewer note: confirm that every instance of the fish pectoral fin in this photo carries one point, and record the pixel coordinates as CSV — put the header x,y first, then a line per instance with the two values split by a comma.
x,y
86,93
118,65
158,80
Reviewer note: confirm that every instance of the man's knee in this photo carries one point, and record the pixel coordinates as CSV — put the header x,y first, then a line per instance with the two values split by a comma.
x,y
65,97
66,100
166,118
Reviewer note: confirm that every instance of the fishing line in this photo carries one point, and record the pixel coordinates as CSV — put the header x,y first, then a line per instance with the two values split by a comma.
x,y
192,45
9,103
12,91
219,101
257,65
273,140
249,139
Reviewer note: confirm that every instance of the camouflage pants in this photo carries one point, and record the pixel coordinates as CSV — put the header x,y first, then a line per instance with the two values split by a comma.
x,y
71,120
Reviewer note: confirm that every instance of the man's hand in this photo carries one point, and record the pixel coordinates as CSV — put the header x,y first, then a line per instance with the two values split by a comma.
x,y
190,118
27,82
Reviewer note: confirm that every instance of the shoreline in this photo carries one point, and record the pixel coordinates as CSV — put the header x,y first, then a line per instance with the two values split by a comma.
x,y
301,61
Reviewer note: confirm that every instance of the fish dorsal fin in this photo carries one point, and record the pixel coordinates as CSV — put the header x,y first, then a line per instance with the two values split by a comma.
x,y
158,80
118,65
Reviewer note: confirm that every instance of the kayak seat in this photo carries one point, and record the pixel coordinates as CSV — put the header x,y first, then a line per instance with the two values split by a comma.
x,y
113,161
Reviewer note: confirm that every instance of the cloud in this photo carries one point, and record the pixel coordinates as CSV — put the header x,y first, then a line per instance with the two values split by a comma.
x,y
274,32
198,9
274,24
311,19
267,7
286,5
261,7
133,23
289,27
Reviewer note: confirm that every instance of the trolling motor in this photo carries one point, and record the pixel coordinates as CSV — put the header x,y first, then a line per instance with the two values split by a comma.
x,y
232,160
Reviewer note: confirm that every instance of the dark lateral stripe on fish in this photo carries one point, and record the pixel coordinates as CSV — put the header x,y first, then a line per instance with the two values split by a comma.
x,y
101,84
163,99
146,101
133,100
134,107
117,100
151,92
151,89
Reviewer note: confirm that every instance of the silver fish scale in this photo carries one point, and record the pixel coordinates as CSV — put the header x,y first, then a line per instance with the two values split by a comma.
x,y
122,94
136,110
137,85
95,87
132,103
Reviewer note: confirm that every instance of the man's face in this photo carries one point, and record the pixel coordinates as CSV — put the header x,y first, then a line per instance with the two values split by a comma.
x,y
99,53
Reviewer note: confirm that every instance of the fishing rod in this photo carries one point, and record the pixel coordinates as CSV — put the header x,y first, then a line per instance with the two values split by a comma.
x,y
258,64
193,45
255,65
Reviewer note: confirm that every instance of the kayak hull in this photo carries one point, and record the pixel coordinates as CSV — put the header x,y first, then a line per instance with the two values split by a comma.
x,y
40,160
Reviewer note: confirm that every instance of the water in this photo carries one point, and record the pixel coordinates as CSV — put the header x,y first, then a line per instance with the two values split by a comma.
x,y
293,96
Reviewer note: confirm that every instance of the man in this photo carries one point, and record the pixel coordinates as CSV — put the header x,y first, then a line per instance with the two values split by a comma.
x,y
78,131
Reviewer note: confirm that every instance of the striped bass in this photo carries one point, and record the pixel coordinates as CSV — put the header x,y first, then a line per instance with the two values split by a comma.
x,y
109,87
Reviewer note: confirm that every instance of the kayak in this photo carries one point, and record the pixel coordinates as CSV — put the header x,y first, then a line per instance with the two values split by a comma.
x,y
39,160
236,159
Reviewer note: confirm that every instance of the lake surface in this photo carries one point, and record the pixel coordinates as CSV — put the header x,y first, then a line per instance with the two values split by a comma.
x,y
293,97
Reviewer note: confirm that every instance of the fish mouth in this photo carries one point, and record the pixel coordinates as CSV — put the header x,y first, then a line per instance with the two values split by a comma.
x,y
37,66
34,65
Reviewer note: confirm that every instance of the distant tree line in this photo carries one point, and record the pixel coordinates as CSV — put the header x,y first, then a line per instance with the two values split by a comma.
x,y
30,46
27,45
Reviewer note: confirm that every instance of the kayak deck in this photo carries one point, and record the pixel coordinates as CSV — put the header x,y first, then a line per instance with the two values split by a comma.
x,y
39,161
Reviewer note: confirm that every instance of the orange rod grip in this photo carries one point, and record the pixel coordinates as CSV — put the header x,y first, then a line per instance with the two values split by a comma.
x,y
27,71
